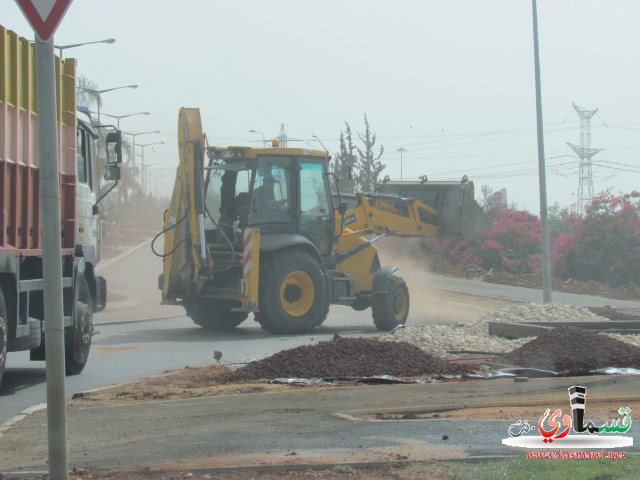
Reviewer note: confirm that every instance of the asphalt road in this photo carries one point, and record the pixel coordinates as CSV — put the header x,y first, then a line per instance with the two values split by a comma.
x,y
335,425
139,337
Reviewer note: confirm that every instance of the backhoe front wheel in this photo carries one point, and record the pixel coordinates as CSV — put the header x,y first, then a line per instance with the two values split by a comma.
x,y
214,314
391,307
293,296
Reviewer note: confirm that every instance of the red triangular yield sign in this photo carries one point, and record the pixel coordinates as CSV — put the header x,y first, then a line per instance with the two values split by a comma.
x,y
44,15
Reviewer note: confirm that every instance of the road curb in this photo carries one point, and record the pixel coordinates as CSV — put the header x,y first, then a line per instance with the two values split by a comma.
x,y
4,427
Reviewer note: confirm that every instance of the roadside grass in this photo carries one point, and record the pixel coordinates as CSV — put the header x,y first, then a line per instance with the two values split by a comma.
x,y
523,468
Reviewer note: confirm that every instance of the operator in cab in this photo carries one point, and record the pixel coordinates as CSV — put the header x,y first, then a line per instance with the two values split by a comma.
x,y
264,196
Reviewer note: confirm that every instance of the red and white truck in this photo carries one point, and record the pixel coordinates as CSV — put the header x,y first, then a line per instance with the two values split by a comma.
x,y
22,312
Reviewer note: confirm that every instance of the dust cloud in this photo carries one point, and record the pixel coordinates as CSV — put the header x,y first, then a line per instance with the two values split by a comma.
x,y
429,304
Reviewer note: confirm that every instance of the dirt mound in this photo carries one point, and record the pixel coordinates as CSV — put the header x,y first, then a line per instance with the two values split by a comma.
x,y
571,350
347,357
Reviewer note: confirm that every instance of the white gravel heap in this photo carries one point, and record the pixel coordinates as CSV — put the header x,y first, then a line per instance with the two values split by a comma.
x,y
474,337
538,312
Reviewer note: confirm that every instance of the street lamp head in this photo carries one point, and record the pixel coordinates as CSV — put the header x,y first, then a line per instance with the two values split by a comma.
x,y
141,133
110,41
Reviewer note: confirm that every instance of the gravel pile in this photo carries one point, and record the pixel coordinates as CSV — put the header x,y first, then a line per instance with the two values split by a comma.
x,y
537,312
571,350
474,337
347,357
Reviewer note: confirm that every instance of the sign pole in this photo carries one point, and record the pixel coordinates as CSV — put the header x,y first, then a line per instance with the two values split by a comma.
x,y
44,16
52,265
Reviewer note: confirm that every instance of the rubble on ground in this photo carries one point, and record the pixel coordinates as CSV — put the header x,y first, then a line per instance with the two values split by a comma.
x,y
449,340
347,357
571,350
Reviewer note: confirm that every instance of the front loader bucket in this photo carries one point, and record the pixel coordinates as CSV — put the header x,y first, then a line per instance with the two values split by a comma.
x,y
458,211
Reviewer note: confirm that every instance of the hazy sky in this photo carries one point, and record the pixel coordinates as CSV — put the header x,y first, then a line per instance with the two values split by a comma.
x,y
451,81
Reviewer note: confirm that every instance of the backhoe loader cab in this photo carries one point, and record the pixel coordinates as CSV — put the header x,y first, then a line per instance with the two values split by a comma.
x,y
277,190
256,230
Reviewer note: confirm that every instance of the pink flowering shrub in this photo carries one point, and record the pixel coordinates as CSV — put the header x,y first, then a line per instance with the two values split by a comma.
x,y
512,245
604,244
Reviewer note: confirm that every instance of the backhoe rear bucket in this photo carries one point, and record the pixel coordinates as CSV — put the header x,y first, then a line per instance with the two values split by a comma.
x,y
458,211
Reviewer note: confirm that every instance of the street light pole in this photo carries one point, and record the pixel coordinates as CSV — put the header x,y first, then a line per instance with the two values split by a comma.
x,y
144,177
110,41
118,117
99,92
401,150
134,135
264,142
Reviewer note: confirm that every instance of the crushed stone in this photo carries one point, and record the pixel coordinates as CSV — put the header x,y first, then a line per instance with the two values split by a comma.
x,y
347,357
571,350
443,339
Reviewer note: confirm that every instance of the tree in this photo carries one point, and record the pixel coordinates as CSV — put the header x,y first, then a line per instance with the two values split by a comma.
x,y
604,245
369,166
345,161
364,162
488,201
87,92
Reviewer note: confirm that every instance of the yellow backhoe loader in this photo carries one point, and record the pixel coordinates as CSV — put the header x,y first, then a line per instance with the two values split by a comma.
x,y
259,230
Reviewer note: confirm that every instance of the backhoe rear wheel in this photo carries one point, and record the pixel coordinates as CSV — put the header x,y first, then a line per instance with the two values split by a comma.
x,y
391,308
214,314
293,296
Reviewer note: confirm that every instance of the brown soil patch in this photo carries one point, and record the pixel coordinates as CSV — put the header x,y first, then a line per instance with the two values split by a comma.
x,y
191,382
601,409
574,351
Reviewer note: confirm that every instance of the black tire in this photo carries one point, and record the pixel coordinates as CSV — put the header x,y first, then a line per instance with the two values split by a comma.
x,y
213,314
4,335
31,341
77,338
293,296
391,308
361,304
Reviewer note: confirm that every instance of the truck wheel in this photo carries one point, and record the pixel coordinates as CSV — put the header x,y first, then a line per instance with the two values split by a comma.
x,y
293,296
4,334
391,308
213,314
77,338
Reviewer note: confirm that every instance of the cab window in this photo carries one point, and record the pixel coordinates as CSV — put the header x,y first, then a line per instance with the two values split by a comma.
x,y
316,221
83,157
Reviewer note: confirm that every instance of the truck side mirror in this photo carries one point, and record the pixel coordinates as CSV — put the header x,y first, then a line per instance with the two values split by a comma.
x,y
114,147
112,172
343,208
